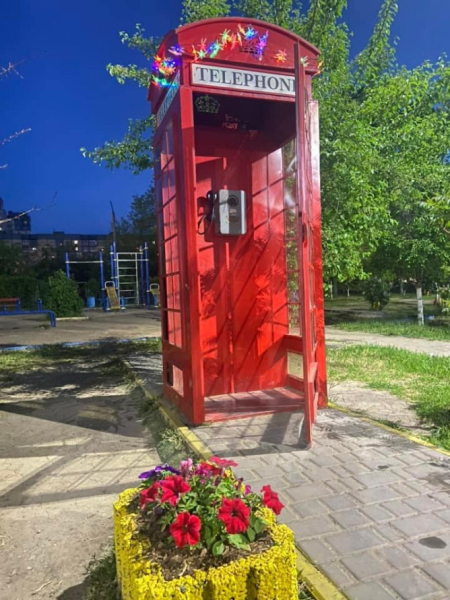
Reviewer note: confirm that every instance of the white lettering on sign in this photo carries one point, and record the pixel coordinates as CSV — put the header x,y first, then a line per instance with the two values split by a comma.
x,y
170,95
240,79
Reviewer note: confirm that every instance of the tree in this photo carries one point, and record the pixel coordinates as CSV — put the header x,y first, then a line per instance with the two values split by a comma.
x,y
354,199
408,113
62,296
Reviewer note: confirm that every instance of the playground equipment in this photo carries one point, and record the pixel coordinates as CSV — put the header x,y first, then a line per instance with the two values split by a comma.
x,y
130,278
102,273
17,310
114,302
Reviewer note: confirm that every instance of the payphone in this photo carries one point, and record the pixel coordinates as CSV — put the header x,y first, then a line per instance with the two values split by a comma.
x,y
228,211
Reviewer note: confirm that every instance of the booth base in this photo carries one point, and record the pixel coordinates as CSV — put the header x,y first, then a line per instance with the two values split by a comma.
x,y
251,404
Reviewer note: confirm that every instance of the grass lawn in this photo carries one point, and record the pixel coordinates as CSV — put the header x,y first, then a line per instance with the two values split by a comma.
x,y
421,379
439,332
353,314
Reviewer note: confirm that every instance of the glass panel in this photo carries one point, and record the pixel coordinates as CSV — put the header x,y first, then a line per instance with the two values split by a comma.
x,y
177,379
294,320
177,329
295,364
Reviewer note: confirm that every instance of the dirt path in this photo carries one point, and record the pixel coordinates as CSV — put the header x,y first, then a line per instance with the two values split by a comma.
x,y
336,337
70,441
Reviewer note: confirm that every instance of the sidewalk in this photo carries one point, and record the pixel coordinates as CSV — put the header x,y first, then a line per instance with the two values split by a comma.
x,y
371,508
70,442
336,337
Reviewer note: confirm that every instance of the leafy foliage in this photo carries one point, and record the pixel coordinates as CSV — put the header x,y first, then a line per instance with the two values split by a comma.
x,y
377,292
196,10
62,296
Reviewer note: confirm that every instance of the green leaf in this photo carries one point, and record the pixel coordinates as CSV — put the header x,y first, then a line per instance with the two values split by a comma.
x,y
239,541
251,534
218,548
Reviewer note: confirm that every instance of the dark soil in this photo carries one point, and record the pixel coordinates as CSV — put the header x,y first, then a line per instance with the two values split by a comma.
x,y
178,562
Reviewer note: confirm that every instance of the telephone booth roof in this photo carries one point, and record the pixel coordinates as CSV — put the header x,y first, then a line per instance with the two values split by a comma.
x,y
260,46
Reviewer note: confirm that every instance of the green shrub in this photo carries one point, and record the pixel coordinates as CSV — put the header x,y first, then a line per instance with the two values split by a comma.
x,y
444,300
92,288
24,287
376,292
62,296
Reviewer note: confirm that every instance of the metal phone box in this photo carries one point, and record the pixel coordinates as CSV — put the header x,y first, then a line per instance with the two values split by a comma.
x,y
229,212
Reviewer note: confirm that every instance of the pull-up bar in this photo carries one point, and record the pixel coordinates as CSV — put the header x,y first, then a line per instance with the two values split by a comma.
x,y
92,262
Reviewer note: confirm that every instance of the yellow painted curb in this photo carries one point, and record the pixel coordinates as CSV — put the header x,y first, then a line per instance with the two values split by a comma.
x,y
409,436
172,418
318,584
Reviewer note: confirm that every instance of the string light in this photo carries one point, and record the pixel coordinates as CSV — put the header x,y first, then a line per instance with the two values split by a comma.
x,y
177,50
281,56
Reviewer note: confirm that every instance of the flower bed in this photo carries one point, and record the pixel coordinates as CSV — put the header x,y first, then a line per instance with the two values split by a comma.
x,y
198,533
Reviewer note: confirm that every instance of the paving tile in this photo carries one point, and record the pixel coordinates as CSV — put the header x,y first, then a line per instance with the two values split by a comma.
x,y
429,548
443,497
425,504
349,542
405,490
411,585
313,527
368,591
350,518
440,572
318,551
365,565
287,516
397,557
308,509
378,478
376,513
376,495
323,474
399,508
419,525
337,574
339,502
444,515
294,477
325,461
308,492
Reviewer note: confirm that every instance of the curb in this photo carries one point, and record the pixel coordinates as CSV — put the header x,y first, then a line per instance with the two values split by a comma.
x,y
318,584
171,417
404,434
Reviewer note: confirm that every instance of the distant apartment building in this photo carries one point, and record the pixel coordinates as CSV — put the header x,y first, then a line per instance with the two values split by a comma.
x,y
13,222
39,245
15,231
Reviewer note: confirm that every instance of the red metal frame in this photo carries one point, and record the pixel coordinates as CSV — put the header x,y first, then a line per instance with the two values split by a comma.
x,y
234,338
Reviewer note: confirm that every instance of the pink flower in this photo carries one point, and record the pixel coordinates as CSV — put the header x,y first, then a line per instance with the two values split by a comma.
x,y
222,462
186,467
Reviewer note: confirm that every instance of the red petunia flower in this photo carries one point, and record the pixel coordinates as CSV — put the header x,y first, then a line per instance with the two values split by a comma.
x,y
271,500
185,530
222,462
235,514
173,487
149,495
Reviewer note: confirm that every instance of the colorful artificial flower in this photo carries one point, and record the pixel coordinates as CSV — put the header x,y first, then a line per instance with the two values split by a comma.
x,y
173,487
149,495
235,515
185,530
222,462
271,500
157,470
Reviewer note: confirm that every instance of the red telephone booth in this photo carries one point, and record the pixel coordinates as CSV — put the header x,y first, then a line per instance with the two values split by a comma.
x,y
238,204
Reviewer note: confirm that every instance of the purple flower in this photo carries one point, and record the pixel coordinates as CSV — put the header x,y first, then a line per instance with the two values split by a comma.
x,y
248,490
157,470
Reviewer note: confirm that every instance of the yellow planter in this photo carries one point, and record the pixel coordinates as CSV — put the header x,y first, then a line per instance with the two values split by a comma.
x,y
271,575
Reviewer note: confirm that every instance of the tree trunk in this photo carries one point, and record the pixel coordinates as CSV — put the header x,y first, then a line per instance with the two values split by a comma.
x,y
348,292
335,287
402,288
420,319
